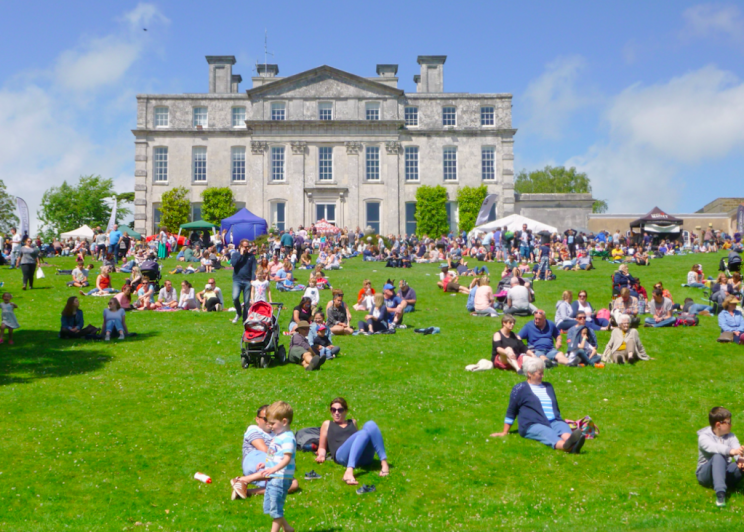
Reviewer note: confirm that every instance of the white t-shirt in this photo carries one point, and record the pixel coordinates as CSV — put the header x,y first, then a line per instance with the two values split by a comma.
x,y
259,290
167,297
313,293
16,242
586,309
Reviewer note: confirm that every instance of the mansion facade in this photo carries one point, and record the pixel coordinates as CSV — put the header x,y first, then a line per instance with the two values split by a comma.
x,y
323,143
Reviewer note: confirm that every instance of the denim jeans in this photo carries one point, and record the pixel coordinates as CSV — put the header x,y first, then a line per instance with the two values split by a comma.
x,y
696,308
276,494
329,352
650,322
105,290
360,448
585,358
244,287
548,435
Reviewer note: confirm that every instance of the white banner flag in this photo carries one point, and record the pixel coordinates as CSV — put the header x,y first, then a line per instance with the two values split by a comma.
x,y
485,209
23,211
112,220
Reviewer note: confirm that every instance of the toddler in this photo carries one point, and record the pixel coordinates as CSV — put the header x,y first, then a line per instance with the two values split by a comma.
x,y
260,288
323,344
9,320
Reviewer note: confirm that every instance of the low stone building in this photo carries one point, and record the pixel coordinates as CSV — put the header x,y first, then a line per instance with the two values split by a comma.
x,y
323,143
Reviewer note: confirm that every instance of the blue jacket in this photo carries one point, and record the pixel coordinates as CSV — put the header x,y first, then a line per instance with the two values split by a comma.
x,y
244,266
73,321
574,337
727,322
525,405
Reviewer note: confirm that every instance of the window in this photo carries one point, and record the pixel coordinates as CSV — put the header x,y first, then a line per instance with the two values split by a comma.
x,y
160,161
487,116
450,164
238,163
156,214
278,211
449,116
372,110
412,163
278,111
196,214
238,117
325,163
411,218
373,163
199,156
200,116
277,163
373,216
161,117
488,164
452,216
325,111
411,116
325,211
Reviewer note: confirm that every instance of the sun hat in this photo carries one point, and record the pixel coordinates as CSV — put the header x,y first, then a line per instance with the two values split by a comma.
x,y
302,324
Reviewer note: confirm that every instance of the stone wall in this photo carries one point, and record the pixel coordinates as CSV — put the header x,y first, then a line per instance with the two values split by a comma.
x,y
562,211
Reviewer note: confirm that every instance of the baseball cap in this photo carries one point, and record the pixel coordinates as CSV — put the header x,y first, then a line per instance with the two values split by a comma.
x,y
322,327
388,287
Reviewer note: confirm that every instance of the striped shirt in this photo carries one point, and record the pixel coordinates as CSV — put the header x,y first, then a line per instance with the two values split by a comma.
x,y
280,445
545,401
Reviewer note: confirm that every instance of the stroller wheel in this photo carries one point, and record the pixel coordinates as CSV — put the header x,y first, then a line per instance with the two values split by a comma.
x,y
246,363
264,361
281,354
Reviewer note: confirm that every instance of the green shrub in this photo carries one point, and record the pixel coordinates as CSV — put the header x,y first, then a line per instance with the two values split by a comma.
x,y
217,204
469,201
431,211
175,209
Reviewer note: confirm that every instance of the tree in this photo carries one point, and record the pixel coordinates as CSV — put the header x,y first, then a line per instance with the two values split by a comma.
x,y
431,211
557,180
217,204
175,209
8,217
67,207
469,200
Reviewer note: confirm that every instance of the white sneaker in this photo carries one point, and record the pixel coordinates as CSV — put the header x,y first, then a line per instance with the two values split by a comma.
x,y
121,335
108,335
218,308
573,360
235,319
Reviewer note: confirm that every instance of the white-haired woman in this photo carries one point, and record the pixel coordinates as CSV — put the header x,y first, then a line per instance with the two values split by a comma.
x,y
536,406
625,344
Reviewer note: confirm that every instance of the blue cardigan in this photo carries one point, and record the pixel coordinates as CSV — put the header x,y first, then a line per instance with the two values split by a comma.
x,y
73,321
525,405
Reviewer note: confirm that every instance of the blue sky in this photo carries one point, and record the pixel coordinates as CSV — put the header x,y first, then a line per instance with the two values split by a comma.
x,y
646,97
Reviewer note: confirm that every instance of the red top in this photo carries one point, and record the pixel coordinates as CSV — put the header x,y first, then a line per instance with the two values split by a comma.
x,y
361,293
104,282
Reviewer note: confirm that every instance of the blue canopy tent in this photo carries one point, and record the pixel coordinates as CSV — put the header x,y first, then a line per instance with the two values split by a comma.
x,y
244,224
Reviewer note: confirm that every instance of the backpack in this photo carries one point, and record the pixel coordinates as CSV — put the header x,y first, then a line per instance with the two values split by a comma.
x,y
587,427
604,314
308,436
687,320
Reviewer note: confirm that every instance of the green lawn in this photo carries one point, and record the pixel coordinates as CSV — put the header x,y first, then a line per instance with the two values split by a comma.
x,y
102,436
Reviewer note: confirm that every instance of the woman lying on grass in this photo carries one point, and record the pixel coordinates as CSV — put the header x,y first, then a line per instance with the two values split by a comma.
x,y
536,406
349,446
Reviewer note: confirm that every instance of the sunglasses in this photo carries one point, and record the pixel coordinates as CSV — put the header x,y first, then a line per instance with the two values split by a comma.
x,y
265,419
337,410
580,317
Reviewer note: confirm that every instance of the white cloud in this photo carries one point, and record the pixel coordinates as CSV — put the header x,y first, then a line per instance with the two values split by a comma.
x,y
653,131
711,20
45,137
144,15
552,98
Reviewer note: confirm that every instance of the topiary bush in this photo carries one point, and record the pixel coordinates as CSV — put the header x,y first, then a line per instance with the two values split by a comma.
x,y
469,201
431,211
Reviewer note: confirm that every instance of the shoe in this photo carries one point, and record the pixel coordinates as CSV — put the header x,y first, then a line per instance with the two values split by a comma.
x,y
314,364
599,365
235,319
240,489
218,308
108,336
402,326
573,360
701,313
322,361
572,440
121,335
721,499
366,488
579,444
312,475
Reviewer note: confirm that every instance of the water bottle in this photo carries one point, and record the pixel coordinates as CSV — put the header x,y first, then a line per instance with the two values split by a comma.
x,y
203,478
642,305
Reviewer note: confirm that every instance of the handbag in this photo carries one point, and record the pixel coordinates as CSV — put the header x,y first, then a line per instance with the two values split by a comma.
x,y
587,427
726,337
40,273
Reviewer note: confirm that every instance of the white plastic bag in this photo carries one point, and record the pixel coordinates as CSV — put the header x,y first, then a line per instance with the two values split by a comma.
x,y
40,273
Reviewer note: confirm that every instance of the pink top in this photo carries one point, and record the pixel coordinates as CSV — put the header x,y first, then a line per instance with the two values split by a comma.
x,y
483,297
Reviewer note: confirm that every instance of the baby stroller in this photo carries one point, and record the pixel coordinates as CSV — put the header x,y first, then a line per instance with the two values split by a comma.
x,y
260,339
151,270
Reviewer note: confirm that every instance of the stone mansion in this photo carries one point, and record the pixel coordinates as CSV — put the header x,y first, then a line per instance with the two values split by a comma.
x,y
323,143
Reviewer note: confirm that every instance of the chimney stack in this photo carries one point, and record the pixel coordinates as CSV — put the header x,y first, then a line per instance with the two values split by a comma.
x,y
236,80
432,73
417,81
220,73
267,71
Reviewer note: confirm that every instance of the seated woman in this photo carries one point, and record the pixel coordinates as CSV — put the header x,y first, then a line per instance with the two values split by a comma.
x,y
302,312
306,261
73,324
695,277
624,345
345,444
377,319
114,320
507,350
187,299
582,344
731,321
255,446
640,257
103,284
339,317
125,297
484,299
564,312
135,278
623,279
535,404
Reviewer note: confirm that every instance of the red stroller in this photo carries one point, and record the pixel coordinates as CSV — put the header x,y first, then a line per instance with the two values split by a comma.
x,y
259,342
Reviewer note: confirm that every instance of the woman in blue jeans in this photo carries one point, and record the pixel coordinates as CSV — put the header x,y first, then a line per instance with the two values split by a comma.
x,y
349,446
536,406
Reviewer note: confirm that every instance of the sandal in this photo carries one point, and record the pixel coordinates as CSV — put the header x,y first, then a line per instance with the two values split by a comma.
x,y
240,489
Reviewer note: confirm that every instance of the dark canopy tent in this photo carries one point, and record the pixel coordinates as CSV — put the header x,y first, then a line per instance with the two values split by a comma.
x,y
243,224
658,224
